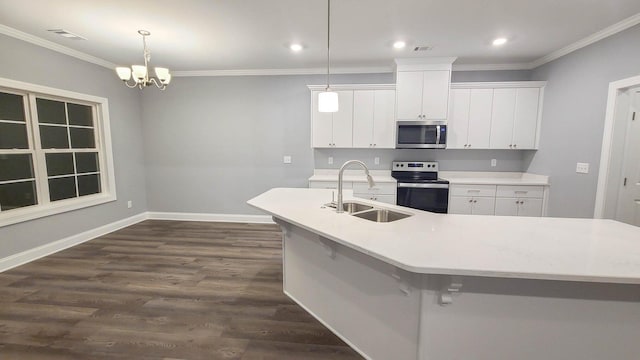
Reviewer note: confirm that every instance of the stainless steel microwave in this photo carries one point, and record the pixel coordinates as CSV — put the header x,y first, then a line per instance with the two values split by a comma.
x,y
430,134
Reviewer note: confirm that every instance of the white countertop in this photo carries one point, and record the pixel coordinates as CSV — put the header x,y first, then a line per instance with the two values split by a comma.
x,y
493,178
495,246
454,177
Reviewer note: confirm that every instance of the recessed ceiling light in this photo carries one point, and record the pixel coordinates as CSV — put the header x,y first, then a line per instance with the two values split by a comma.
x,y
399,44
499,41
295,47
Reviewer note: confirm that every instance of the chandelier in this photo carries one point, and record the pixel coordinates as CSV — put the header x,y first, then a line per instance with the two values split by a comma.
x,y
140,73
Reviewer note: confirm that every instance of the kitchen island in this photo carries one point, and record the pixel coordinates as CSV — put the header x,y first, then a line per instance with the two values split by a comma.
x,y
437,286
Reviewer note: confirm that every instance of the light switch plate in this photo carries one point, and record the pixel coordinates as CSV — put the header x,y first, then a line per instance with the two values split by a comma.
x,y
287,159
376,160
582,168
330,160
129,204
494,162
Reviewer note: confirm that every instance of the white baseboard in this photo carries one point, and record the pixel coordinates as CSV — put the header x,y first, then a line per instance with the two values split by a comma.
x,y
26,256
236,218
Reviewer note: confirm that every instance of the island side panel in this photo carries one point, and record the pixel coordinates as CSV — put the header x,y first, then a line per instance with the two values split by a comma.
x,y
494,318
354,295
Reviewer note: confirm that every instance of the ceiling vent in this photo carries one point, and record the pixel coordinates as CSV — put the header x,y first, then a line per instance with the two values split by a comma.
x,y
423,48
66,34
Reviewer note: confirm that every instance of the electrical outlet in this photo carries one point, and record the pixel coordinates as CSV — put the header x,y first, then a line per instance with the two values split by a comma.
x,y
129,204
376,160
494,162
287,159
582,168
330,160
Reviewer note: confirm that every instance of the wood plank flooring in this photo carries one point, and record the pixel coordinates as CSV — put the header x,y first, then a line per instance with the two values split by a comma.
x,y
161,290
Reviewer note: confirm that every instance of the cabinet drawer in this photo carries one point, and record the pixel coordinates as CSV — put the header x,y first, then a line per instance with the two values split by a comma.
x,y
473,190
520,191
379,188
329,185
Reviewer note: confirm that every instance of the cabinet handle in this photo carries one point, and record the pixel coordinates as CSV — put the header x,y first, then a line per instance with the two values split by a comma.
x,y
469,145
370,145
511,145
471,200
475,201
515,146
374,145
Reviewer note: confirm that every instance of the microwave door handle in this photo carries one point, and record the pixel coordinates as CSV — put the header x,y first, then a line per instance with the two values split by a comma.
x,y
437,134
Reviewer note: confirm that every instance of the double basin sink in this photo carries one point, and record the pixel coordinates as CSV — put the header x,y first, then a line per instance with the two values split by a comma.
x,y
371,213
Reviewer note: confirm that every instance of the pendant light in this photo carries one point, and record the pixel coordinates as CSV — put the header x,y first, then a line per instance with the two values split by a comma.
x,y
328,100
141,78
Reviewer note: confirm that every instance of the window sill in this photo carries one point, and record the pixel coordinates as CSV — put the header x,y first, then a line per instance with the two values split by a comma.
x,y
10,217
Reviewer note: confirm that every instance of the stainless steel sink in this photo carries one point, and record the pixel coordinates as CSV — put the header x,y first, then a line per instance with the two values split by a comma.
x,y
353,207
381,215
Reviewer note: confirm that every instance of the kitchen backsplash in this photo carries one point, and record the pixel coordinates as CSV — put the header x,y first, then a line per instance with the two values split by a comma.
x,y
448,160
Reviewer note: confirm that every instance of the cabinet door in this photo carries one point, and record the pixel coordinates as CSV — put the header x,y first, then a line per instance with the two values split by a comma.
x,y
343,120
526,118
530,207
384,119
504,102
435,94
363,115
480,107
460,205
458,122
322,125
507,206
409,95
483,206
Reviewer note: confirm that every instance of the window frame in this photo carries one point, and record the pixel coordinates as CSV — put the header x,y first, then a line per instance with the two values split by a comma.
x,y
102,132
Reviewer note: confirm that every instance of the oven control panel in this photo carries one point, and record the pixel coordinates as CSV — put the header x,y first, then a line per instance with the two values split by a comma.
x,y
422,166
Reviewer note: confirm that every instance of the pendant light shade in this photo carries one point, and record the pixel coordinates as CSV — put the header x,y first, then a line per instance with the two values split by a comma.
x,y
328,100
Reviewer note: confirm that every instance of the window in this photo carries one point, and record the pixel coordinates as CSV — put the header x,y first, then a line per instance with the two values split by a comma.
x,y
55,151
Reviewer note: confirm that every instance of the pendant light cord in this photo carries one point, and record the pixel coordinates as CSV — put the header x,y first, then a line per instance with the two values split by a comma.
x,y
328,38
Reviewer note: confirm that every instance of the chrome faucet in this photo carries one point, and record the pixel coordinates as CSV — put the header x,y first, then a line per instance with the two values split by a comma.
x,y
339,206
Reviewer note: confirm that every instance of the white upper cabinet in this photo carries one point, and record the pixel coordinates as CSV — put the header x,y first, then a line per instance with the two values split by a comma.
x,y
366,118
515,118
422,89
502,115
374,119
333,129
469,124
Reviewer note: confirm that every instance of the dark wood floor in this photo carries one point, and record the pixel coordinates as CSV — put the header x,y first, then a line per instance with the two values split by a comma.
x,y
161,290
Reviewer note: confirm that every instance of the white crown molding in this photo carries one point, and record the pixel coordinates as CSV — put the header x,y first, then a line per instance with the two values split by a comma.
x,y
604,33
491,67
498,84
26,256
353,87
9,31
269,72
235,218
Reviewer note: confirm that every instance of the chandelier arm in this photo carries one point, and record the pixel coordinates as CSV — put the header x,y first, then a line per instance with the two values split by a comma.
x,y
130,86
159,86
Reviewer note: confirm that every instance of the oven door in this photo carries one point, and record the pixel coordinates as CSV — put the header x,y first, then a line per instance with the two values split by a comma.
x,y
432,197
421,135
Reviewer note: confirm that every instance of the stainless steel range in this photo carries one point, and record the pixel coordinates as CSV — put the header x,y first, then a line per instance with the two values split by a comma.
x,y
419,186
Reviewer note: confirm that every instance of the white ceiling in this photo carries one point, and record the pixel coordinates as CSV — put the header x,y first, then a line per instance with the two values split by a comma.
x,y
193,35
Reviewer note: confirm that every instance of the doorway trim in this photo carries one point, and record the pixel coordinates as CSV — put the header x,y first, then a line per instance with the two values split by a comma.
x,y
615,88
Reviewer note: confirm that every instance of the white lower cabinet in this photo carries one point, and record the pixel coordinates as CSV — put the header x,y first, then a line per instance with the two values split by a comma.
x,y
471,205
505,200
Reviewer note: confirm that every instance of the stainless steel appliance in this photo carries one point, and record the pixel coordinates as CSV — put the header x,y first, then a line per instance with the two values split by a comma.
x,y
430,134
419,186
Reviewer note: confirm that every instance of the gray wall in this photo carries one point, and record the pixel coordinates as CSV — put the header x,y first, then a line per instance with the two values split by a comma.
x,y
212,143
573,118
29,63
